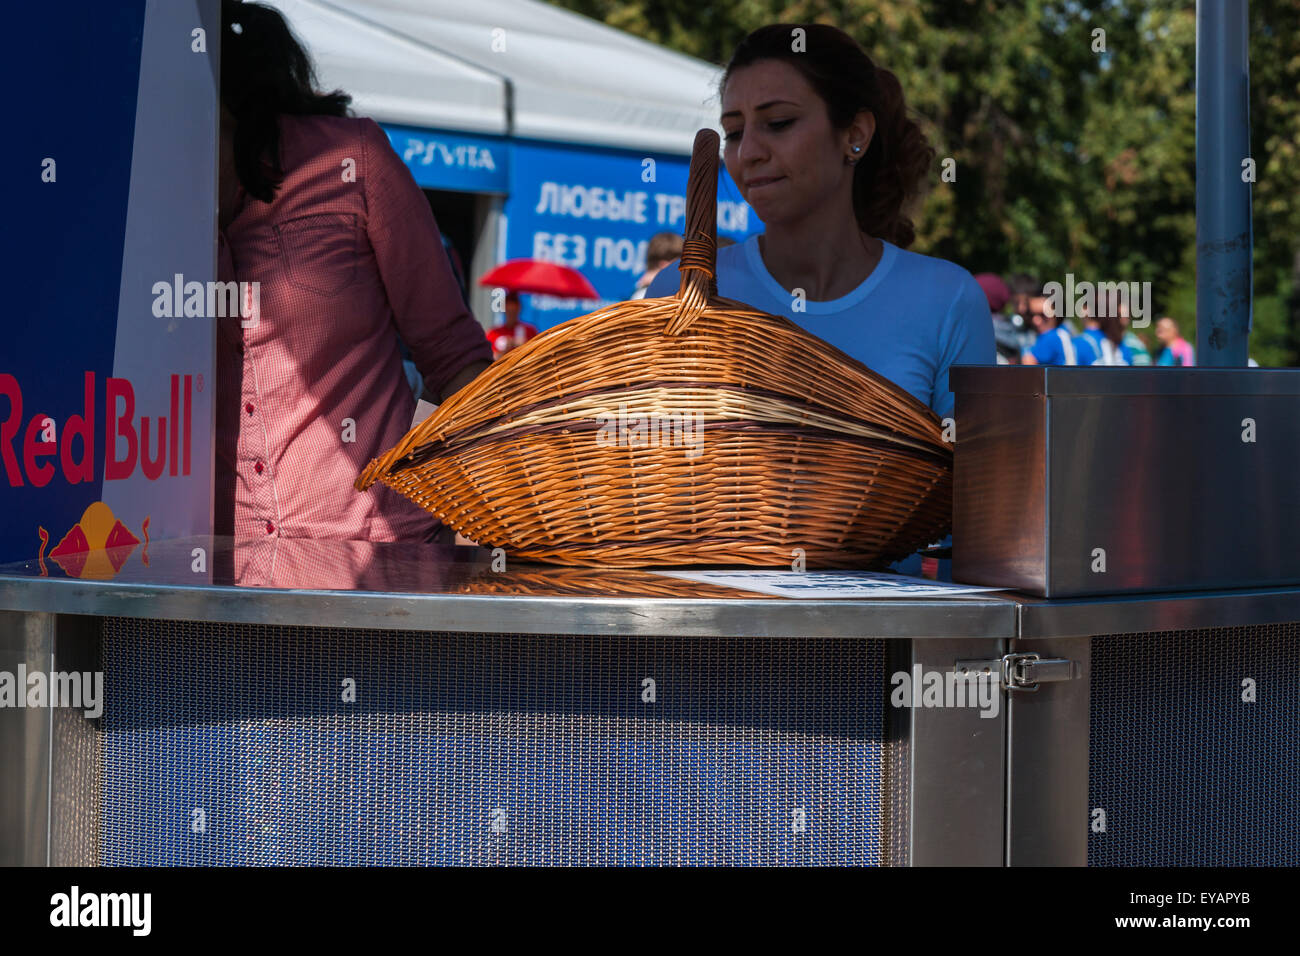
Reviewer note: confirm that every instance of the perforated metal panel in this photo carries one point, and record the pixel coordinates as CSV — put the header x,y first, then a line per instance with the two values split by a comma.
x,y
231,744
1187,771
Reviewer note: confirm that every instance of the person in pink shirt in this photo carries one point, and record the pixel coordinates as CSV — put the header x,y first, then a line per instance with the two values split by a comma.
x,y
1177,350
318,210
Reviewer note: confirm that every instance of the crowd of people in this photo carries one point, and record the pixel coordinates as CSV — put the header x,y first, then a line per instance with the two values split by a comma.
x,y
1027,331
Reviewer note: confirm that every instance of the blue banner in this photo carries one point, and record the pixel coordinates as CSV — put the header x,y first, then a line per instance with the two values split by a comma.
x,y
105,406
595,210
461,162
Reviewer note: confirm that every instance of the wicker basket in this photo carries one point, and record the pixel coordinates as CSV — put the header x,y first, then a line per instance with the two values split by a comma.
x,y
756,438
534,581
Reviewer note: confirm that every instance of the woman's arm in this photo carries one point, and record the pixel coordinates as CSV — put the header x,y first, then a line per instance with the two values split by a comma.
x,y
448,345
463,378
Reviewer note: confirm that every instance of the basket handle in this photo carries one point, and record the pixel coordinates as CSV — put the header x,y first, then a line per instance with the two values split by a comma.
x,y
698,264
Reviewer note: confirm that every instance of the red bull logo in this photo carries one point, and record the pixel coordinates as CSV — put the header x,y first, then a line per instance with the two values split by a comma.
x,y
96,547
154,444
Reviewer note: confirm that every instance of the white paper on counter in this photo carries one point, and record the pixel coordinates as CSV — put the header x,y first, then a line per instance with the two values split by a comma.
x,y
829,584
423,410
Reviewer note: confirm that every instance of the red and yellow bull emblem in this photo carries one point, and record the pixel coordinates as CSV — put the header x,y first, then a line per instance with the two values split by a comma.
x,y
96,547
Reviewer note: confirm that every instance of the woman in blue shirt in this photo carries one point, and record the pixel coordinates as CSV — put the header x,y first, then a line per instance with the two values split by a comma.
x,y
1102,343
819,141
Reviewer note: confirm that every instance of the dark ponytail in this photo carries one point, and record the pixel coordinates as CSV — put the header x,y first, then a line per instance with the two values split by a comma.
x,y
888,178
1112,326
265,73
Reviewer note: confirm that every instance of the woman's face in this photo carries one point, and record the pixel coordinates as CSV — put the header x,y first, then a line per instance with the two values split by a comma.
x,y
780,147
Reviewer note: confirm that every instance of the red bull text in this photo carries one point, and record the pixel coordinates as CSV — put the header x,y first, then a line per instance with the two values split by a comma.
x,y
156,444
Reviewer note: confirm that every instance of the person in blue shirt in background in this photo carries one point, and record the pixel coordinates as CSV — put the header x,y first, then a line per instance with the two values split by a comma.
x,y
820,143
1102,342
1138,352
1054,345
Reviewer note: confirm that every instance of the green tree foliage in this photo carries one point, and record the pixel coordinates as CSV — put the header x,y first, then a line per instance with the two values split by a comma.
x,y
1275,145
1075,149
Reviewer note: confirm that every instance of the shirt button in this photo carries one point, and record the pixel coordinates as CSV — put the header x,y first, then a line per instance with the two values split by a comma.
x,y
248,407
270,528
258,468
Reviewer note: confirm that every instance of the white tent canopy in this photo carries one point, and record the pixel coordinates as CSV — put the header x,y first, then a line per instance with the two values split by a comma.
x,y
468,64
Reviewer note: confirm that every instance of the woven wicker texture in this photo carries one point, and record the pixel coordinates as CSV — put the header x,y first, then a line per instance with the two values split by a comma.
x,y
599,582
687,430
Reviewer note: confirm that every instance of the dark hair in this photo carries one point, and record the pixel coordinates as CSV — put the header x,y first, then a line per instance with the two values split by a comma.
x,y
889,176
1024,284
663,247
1109,321
1055,320
1112,326
265,73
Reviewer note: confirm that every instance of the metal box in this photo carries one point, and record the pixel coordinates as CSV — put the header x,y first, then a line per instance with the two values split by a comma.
x,y
1078,481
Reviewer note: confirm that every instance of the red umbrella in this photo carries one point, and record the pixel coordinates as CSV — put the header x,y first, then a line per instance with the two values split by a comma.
x,y
546,278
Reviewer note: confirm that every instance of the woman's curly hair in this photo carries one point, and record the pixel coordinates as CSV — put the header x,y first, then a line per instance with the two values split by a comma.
x,y
890,175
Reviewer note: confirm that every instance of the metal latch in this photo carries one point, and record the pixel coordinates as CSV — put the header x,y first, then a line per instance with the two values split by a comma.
x,y
1022,670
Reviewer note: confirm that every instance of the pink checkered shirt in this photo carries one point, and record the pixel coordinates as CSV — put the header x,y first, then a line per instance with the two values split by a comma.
x,y
347,255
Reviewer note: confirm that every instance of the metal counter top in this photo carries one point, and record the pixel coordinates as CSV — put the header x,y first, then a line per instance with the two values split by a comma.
x,y
427,588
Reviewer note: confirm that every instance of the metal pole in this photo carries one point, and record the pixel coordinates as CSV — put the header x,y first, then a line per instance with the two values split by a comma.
x,y
1224,240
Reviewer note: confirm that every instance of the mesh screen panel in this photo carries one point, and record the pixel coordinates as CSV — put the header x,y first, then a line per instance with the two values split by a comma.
x,y
74,791
1188,773
231,744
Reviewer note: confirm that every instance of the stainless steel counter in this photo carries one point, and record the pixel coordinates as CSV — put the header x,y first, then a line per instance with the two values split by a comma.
x,y
354,584
1039,618
527,688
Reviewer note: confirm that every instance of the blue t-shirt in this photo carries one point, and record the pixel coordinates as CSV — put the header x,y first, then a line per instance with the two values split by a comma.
x,y
1055,348
1179,353
911,319
1091,348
